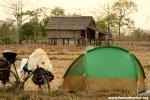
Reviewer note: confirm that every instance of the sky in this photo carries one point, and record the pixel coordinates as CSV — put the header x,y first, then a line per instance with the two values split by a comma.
x,y
88,7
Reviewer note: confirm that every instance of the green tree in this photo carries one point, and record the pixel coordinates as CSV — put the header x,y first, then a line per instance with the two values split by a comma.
x,y
108,17
7,27
57,11
39,19
101,24
36,21
27,30
122,9
107,23
43,25
139,34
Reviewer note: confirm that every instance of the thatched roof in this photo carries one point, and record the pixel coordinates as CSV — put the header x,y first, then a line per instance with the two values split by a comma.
x,y
70,23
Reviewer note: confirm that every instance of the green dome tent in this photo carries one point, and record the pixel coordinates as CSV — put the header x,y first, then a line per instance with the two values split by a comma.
x,y
107,68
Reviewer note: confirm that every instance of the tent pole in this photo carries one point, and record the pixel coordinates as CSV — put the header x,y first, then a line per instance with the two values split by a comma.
x,y
85,74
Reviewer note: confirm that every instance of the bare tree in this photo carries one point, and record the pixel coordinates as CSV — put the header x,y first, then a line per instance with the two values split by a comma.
x,y
106,20
15,9
122,9
107,10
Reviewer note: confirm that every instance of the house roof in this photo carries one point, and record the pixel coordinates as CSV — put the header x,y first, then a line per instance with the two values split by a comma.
x,y
70,23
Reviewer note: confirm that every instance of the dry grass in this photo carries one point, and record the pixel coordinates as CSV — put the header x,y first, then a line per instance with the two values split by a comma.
x,y
61,57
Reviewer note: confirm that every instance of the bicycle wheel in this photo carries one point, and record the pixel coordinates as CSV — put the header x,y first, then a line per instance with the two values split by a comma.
x,y
13,81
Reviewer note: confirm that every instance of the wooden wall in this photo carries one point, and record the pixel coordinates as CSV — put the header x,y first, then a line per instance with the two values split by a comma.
x,y
63,34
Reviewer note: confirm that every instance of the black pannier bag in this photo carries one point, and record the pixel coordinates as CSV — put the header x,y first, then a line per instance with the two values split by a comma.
x,y
4,71
38,76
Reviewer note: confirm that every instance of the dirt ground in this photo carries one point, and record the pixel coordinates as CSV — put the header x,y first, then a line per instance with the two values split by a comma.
x,y
62,56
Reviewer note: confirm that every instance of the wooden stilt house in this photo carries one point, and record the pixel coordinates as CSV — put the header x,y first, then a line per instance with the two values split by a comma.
x,y
70,30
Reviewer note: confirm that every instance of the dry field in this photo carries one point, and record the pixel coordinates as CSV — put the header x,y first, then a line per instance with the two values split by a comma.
x,y
61,57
